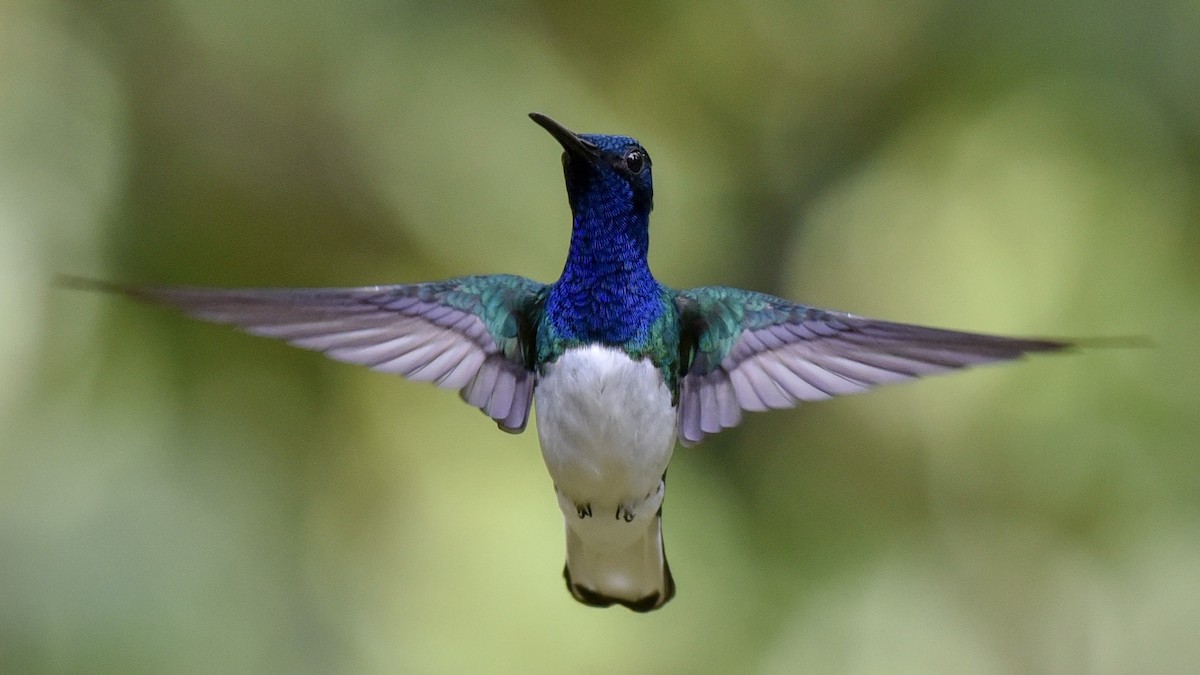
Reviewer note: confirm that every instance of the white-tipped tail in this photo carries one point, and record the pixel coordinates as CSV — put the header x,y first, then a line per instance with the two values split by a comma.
x,y
636,576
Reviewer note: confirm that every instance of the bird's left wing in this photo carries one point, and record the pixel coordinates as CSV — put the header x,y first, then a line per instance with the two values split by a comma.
x,y
751,351
473,334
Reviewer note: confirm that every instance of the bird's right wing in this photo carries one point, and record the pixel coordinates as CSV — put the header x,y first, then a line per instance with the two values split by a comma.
x,y
752,351
473,334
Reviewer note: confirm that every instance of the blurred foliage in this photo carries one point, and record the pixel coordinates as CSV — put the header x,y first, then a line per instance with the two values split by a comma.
x,y
175,497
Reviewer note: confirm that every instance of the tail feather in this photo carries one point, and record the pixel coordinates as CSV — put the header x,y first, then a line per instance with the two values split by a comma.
x,y
636,576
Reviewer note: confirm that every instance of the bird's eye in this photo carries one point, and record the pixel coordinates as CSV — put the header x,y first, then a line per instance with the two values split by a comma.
x,y
634,160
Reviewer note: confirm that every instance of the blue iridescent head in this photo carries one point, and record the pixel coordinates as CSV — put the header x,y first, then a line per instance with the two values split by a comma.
x,y
606,175
606,292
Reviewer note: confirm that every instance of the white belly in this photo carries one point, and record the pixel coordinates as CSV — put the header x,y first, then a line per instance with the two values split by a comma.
x,y
606,426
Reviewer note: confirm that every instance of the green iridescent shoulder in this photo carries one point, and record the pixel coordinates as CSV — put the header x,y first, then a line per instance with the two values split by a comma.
x,y
481,293
506,303
714,317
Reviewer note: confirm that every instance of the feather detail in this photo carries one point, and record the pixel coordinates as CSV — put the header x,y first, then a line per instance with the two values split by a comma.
x,y
471,334
751,351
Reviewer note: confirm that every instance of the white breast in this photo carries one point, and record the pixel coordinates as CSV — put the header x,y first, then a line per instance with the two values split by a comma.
x,y
606,426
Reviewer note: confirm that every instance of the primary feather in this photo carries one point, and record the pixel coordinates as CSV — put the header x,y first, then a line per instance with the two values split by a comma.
x,y
753,351
468,334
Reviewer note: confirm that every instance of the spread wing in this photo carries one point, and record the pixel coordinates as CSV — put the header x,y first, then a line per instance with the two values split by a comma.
x,y
751,351
473,334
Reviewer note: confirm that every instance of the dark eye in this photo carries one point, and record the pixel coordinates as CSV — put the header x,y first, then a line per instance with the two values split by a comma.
x,y
634,160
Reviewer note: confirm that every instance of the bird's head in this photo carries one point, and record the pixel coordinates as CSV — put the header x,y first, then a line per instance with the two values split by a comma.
x,y
607,176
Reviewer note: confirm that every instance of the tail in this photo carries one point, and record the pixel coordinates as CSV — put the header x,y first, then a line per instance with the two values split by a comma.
x,y
636,576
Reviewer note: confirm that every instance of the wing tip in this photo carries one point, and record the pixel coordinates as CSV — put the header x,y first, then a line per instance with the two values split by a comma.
x,y
1109,342
503,425
77,283
150,294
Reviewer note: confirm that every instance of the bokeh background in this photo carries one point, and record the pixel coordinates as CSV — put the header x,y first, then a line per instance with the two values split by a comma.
x,y
178,497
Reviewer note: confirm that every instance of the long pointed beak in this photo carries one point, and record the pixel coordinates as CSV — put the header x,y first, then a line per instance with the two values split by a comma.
x,y
571,142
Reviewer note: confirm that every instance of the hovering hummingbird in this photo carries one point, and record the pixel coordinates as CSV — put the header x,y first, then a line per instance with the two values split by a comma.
x,y
619,365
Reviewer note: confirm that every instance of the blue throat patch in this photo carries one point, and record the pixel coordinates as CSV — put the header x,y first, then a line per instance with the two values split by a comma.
x,y
606,292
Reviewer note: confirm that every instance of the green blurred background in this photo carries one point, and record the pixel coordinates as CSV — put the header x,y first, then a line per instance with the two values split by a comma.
x,y
178,497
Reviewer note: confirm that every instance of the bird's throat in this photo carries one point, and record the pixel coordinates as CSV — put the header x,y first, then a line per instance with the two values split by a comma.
x,y
606,292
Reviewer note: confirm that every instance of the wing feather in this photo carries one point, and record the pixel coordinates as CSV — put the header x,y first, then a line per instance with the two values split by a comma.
x,y
751,351
472,334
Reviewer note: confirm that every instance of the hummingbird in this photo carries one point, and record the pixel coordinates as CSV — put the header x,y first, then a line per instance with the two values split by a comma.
x,y
617,366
